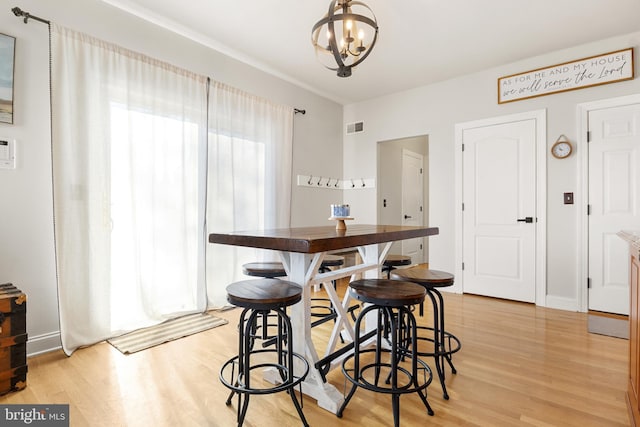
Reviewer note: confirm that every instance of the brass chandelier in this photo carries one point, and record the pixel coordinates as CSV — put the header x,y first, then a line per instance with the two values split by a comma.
x,y
343,38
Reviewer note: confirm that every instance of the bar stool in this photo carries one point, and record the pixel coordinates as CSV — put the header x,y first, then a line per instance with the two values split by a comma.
x,y
393,261
444,343
259,297
392,300
264,269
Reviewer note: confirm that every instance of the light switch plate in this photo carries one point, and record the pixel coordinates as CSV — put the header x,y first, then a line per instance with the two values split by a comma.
x,y
568,198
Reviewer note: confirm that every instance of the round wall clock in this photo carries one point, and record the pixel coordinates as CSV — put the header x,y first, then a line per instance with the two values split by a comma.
x,y
561,149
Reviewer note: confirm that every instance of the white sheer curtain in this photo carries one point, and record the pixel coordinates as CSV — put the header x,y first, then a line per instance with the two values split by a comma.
x,y
129,158
249,183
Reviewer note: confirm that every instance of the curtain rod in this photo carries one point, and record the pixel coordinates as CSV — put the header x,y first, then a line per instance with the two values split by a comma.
x,y
19,12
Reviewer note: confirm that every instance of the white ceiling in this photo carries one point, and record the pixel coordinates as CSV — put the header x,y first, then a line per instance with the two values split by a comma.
x,y
420,41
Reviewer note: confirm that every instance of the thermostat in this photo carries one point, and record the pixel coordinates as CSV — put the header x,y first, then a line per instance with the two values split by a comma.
x,y
7,153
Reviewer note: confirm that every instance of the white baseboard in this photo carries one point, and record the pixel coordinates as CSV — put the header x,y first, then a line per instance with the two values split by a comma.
x,y
43,343
562,303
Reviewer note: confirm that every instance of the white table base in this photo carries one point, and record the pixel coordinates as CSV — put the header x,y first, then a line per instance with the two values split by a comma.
x,y
303,268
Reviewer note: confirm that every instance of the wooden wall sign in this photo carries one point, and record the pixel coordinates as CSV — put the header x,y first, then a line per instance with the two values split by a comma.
x,y
579,74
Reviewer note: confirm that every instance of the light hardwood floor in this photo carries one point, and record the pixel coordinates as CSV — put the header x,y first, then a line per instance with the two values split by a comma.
x,y
520,365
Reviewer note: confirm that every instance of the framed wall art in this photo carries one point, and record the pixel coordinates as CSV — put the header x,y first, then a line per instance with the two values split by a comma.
x,y
7,65
596,70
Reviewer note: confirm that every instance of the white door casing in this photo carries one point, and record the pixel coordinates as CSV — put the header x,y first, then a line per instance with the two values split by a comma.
x,y
412,201
500,178
613,198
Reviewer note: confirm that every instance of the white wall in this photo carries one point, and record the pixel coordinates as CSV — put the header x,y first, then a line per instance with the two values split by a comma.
x,y
26,230
435,109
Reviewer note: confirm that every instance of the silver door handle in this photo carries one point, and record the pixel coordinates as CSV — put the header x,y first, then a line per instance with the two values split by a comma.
x,y
528,219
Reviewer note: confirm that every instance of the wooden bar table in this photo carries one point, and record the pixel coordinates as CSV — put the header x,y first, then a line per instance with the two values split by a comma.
x,y
302,251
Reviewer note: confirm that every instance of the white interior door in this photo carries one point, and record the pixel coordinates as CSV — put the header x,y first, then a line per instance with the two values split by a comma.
x,y
614,195
412,201
499,216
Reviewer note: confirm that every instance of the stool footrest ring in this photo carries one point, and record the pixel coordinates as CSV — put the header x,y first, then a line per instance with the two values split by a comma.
x,y
409,385
452,343
236,384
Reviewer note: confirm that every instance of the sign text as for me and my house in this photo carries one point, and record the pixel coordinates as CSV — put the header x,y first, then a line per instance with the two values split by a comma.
x,y
596,70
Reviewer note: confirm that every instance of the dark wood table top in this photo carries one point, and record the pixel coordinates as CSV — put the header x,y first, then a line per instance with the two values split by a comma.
x,y
321,239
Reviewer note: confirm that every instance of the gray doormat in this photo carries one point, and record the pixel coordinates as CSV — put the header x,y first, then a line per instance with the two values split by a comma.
x,y
613,327
165,332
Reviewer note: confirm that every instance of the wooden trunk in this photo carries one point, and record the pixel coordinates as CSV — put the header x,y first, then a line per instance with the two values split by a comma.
x,y
13,339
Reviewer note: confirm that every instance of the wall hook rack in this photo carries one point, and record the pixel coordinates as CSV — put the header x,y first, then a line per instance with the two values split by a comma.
x,y
331,183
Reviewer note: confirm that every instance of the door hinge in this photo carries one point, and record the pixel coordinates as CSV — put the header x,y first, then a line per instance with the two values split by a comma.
x,y
588,209
588,282
463,265
420,171
462,147
420,246
463,206
420,208
588,136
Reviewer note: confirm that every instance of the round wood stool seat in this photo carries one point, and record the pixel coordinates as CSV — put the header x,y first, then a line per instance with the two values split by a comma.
x,y
386,292
243,373
444,343
391,367
263,293
424,276
393,261
264,269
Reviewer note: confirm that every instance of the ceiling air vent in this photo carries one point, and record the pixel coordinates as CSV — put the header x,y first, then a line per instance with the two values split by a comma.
x,y
355,127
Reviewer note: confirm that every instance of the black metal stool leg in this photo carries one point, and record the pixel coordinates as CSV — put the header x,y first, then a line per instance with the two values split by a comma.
x,y
356,358
284,330
346,401
245,406
395,357
412,325
446,354
395,407
241,330
437,351
245,361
